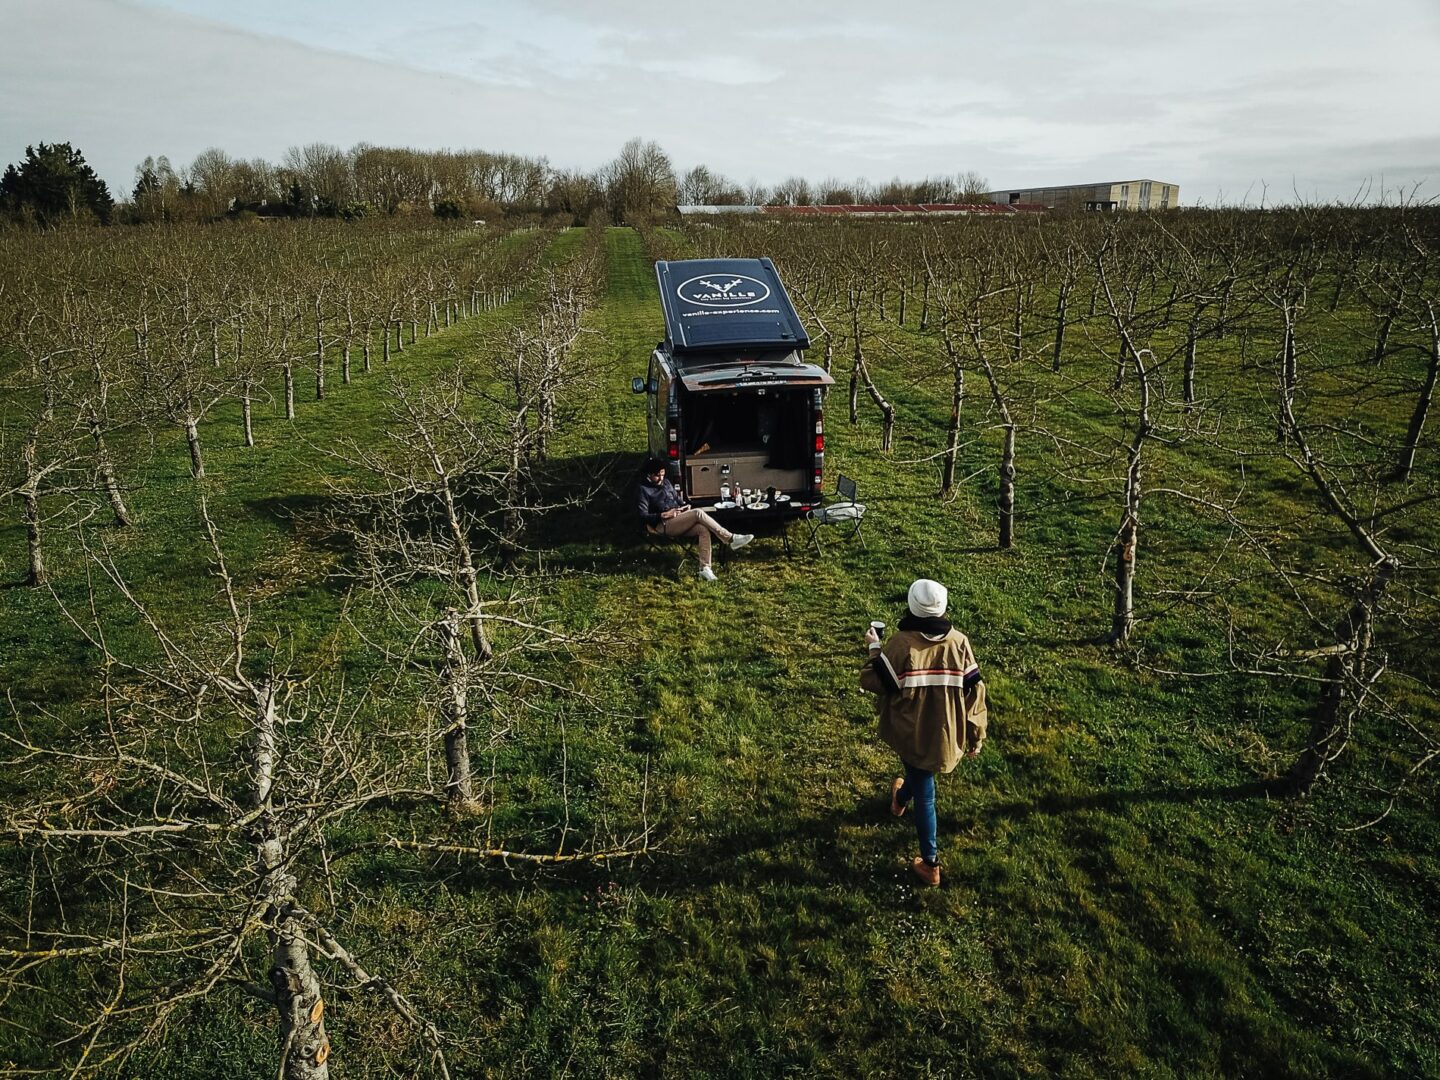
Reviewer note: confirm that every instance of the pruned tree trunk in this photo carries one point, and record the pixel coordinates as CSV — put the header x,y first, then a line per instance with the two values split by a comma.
x,y
1422,405
459,784
304,1046
1122,622
855,391
1192,346
1062,305
887,410
1006,503
1122,359
469,576
1288,371
263,747
1382,337
1127,547
106,468
299,1004
289,371
246,417
30,503
1168,308
319,356
952,431
860,372
1007,489
1342,277
192,439
1346,683
1017,323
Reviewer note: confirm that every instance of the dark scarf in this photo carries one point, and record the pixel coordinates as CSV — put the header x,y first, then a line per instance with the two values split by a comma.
x,y
933,625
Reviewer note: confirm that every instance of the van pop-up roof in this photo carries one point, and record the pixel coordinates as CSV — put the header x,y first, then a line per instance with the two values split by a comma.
x,y
714,305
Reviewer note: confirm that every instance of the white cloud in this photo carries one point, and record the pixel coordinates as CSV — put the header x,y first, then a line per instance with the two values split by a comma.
x,y
1211,95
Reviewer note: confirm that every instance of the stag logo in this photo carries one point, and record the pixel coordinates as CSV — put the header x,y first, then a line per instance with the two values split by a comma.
x,y
730,291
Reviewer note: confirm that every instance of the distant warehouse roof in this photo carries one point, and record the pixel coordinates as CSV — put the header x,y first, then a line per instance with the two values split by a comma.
x,y
872,210
1143,194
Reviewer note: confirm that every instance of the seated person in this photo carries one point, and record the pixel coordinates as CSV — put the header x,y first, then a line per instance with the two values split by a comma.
x,y
666,513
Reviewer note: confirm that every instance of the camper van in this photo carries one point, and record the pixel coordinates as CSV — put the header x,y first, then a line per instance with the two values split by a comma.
x,y
732,405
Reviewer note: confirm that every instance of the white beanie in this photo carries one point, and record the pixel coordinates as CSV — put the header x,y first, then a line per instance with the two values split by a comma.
x,y
928,598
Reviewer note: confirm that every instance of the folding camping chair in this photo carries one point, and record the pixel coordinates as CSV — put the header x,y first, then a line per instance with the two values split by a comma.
x,y
845,510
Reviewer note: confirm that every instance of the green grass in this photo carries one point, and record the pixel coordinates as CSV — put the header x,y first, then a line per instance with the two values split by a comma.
x,y
1120,897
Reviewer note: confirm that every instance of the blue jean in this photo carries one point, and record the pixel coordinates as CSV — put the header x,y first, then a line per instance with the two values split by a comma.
x,y
920,786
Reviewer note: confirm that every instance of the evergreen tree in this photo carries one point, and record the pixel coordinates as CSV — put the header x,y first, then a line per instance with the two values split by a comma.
x,y
52,184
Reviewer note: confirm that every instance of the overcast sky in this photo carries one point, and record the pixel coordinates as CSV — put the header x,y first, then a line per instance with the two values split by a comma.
x,y
1227,98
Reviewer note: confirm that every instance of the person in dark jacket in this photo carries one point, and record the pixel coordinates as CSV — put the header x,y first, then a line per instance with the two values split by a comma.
x,y
665,512
932,707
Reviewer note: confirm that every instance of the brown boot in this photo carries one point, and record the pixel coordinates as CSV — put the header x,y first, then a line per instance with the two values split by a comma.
x,y
895,786
928,875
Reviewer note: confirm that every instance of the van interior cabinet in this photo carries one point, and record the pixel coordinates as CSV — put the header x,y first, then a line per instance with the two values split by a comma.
x,y
704,475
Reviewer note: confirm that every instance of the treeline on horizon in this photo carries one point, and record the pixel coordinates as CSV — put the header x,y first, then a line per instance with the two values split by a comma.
x,y
53,184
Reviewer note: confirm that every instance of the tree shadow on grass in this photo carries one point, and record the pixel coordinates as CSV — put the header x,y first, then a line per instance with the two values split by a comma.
x,y
860,848
826,850
306,517
1056,803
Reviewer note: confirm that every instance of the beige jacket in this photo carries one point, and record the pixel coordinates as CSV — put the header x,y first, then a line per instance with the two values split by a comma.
x,y
927,715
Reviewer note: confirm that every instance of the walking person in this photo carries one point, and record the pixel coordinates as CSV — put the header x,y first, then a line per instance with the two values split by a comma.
x,y
664,511
932,708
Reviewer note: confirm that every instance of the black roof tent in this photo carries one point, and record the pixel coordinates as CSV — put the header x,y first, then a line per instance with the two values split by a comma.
x,y
727,304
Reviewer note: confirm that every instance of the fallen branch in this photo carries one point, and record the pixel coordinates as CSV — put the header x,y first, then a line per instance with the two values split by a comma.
x,y
519,856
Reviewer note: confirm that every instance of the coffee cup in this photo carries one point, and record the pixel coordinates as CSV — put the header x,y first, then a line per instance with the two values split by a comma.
x,y
879,627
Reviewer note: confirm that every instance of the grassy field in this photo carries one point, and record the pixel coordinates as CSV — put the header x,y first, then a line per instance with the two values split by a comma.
x,y
1121,897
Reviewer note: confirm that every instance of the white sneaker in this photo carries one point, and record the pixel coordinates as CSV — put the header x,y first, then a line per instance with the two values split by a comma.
x,y
739,540
706,574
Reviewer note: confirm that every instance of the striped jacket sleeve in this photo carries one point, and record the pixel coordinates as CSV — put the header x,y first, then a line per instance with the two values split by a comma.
x,y
880,675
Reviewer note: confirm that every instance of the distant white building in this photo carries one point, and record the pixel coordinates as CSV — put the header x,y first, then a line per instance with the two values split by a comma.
x,y
1115,195
870,210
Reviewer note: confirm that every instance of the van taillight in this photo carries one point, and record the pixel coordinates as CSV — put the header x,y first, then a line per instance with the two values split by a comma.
x,y
674,444
819,444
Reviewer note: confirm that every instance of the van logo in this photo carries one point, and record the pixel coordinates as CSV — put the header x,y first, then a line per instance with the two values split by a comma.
x,y
730,291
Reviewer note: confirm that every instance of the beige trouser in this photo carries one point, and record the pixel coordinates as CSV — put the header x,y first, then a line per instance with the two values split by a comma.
x,y
696,523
